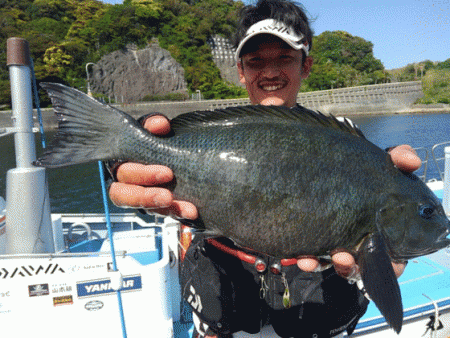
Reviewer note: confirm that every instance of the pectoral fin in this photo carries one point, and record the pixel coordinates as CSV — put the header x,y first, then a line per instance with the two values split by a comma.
x,y
380,281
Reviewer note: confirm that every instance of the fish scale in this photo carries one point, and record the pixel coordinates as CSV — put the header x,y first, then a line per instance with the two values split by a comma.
x,y
284,182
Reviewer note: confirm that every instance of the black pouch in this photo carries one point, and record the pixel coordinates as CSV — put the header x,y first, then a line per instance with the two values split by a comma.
x,y
221,292
322,306
226,294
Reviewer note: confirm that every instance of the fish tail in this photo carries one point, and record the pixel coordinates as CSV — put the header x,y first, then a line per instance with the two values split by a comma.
x,y
380,281
87,129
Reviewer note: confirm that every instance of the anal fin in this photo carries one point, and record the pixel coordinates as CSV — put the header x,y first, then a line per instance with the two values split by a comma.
x,y
380,281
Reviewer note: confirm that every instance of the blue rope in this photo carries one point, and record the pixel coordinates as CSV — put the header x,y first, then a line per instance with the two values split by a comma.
x,y
36,103
110,236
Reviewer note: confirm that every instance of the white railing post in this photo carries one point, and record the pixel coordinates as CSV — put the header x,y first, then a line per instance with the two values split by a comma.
x,y
28,221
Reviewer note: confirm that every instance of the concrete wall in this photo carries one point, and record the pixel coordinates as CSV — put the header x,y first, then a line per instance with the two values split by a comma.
x,y
381,98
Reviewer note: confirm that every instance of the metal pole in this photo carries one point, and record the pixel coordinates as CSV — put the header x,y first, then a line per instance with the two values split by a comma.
x,y
87,75
446,197
22,107
28,221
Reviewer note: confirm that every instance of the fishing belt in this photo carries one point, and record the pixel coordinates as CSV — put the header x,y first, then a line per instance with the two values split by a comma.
x,y
231,289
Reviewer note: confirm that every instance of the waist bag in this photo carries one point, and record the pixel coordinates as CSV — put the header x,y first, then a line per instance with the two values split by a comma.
x,y
232,290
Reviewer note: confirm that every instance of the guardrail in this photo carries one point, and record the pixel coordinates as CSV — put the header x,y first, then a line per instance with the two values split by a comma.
x,y
379,97
387,94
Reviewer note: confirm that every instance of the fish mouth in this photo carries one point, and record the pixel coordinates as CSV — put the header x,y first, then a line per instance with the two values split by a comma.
x,y
444,235
409,254
443,241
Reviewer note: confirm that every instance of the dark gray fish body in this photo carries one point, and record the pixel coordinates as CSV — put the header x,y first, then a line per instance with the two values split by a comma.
x,y
285,182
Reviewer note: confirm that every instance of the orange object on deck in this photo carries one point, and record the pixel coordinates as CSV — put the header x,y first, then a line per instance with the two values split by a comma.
x,y
185,240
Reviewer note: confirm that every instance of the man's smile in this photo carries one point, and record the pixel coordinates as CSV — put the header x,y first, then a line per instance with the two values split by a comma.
x,y
271,87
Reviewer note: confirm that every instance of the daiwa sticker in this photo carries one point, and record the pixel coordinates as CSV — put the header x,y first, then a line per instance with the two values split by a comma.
x,y
38,290
103,286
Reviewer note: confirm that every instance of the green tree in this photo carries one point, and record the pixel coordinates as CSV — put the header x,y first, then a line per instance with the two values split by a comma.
x,y
444,65
436,86
342,60
56,60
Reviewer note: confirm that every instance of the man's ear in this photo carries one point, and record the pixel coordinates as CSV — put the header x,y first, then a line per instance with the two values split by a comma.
x,y
240,72
306,67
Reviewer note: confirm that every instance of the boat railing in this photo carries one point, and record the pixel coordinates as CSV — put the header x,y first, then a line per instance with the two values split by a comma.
x,y
437,151
11,130
116,219
121,253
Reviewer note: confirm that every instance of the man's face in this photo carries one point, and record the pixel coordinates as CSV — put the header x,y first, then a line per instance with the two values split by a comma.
x,y
272,71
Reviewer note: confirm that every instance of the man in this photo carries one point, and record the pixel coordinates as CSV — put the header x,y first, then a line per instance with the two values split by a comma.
x,y
273,42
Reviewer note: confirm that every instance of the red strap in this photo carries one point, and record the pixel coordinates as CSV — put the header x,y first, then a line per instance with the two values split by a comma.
x,y
245,256
236,253
288,261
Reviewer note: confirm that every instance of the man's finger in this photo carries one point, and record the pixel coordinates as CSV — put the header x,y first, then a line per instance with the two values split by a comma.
x,y
405,158
158,125
146,175
180,209
134,196
308,264
399,268
344,263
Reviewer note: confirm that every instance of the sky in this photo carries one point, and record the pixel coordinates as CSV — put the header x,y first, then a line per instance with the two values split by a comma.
x,y
402,31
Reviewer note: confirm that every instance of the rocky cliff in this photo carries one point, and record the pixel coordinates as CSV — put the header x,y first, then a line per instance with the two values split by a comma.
x,y
131,74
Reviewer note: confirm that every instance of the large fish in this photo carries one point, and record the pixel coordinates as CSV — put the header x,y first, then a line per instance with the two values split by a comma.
x,y
284,182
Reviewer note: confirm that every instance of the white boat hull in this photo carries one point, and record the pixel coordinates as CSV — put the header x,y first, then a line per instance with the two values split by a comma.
x,y
73,294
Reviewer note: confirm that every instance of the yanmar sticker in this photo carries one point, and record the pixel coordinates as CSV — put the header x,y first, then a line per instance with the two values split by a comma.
x,y
103,286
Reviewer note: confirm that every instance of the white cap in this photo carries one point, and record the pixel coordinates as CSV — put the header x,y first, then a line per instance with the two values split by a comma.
x,y
277,28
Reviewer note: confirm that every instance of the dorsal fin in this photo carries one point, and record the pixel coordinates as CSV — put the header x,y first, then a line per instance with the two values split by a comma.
x,y
242,114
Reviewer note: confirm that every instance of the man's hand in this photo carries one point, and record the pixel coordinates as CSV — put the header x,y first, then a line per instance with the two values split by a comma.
x,y
405,159
137,184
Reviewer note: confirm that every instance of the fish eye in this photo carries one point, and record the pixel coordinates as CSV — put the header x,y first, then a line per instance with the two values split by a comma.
x,y
426,211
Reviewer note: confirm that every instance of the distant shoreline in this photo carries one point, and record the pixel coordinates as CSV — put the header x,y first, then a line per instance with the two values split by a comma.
x,y
422,109
50,121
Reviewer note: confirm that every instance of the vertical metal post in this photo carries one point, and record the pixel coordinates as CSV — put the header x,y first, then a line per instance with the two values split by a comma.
x,y
20,77
446,197
28,220
88,78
